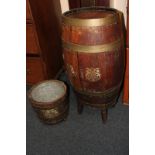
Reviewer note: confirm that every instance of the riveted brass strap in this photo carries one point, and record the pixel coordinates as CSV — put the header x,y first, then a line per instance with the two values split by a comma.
x,y
92,48
111,19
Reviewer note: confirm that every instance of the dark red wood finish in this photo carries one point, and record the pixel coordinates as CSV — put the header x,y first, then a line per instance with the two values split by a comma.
x,y
74,4
85,3
102,3
43,40
126,77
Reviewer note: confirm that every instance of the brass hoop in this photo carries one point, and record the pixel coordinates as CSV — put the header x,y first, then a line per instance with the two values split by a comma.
x,y
108,93
114,46
89,22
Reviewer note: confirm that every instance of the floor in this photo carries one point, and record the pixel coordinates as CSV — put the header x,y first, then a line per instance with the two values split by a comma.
x,y
83,134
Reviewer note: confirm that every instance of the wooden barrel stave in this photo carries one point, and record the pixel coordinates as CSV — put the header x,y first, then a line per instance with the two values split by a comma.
x,y
82,66
90,35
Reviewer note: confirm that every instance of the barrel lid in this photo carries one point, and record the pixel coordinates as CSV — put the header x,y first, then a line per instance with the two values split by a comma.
x,y
47,93
90,16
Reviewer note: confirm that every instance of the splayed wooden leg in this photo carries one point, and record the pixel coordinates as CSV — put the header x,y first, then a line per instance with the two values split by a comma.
x,y
113,104
104,115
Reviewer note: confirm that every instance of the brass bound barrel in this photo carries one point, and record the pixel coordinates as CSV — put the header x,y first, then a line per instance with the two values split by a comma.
x,y
50,100
94,55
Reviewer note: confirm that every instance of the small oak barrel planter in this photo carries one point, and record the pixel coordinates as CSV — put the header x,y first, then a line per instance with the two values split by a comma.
x,y
50,100
93,50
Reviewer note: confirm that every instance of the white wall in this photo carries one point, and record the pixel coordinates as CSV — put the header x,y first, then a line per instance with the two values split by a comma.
x,y
120,5
64,5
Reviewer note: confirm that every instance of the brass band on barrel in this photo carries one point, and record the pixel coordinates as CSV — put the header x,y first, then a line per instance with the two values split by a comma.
x,y
89,22
92,48
103,105
66,19
108,93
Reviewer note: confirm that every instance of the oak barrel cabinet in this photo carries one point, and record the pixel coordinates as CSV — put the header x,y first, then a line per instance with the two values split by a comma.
x,y
93,47
43,43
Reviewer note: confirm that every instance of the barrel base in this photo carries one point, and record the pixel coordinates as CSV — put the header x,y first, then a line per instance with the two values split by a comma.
x,y
104,111
97,102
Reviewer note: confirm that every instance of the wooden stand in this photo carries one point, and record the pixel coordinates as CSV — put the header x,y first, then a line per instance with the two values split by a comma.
x,y
104,112
104,115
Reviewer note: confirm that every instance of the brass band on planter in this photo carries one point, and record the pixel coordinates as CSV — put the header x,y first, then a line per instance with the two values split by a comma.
x,y
89,22
92,48
49,111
